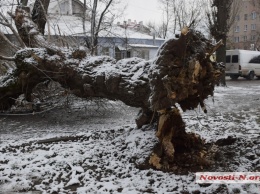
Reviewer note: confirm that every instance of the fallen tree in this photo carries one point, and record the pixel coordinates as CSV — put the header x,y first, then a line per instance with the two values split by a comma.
x,y
181,75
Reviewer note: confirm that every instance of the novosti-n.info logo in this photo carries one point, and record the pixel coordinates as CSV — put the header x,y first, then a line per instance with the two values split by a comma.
x,y
228,177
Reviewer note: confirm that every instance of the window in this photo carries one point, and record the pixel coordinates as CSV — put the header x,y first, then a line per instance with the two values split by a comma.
x,y
118,53
253,15
64,8
237,29
255,59
253,26
237,17
245,38
253,37
105,51
228,57
236,39
245,17
245,28
234,58
128,54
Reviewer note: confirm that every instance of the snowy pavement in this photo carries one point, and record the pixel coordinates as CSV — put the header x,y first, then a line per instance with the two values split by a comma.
x,y
100,149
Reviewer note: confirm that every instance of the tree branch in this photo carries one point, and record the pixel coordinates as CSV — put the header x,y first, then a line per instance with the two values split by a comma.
x,y
93,25
102,16
7,58
4,24
12,29
8,41
29,32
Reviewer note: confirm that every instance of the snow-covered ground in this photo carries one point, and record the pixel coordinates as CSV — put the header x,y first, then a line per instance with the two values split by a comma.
x,y
104,148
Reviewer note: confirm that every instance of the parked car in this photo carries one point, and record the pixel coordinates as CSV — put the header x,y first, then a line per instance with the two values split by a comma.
x,y
244,63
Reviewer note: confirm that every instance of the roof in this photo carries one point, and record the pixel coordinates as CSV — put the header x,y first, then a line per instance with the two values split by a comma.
x,y
143,46
70,25
73,25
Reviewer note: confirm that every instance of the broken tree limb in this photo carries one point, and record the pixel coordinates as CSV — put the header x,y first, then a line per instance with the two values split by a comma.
x,y
9,25
13,46
215,48
29,32
7,58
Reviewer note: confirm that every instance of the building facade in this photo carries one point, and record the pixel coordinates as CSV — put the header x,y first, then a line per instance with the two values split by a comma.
x,y
126,47
67,7
245,31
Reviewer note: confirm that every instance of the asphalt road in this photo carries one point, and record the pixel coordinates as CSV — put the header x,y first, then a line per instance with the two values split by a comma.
x,y
240,94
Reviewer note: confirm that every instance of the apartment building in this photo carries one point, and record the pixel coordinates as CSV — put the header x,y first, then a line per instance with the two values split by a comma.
x,y
245,31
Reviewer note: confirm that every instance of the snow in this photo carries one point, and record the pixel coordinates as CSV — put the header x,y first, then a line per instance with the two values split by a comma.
x,y
143,45
104,157
72,25
5,80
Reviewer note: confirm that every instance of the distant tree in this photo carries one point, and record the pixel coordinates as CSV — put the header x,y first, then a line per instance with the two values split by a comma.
x,y
177,14
165,26
189,12
156,29
102,17
167,17
220,18
84,16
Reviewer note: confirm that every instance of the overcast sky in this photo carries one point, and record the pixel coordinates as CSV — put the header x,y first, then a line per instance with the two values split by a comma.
x,y
143,10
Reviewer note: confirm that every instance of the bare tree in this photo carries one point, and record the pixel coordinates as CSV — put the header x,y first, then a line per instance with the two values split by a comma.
x,y
102,18
157,30
221,17
177,14
84,17
167,15
189,13
168,21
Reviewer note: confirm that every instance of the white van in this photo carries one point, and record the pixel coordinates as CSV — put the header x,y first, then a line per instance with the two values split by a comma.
x,y
242,63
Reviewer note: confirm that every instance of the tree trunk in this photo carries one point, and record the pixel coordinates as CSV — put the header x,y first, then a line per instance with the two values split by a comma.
x,y
181,73
39,13
221,57
219,28
93,28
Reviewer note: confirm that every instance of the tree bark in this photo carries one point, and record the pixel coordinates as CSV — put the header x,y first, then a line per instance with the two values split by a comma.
x,y
220,26
182,73
39,13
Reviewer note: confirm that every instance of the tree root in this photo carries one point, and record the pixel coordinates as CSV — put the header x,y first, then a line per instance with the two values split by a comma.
x,y
175,145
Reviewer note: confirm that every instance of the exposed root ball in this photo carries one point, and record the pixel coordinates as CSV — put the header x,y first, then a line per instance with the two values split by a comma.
x,y
183,74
